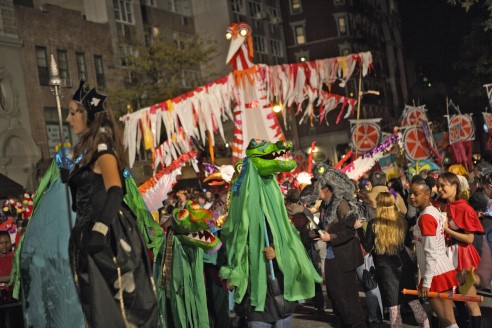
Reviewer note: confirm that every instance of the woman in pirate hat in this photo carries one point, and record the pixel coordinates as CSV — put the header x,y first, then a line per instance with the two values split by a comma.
x,y
107,254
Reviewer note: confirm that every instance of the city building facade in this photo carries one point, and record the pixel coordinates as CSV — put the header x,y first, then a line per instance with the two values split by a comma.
x,y
94,39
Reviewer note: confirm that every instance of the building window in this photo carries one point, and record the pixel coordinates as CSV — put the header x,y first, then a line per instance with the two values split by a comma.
x,y
63,67
100,79
276,46
123,11
43,70
255,9
126,53
183,40
295,7
273,12
299,34
237,6
81,66
259,44
150,3
342,23
53,129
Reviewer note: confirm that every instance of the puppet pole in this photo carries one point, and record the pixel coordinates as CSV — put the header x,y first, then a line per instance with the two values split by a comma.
x,y
359,99
446,296
55,81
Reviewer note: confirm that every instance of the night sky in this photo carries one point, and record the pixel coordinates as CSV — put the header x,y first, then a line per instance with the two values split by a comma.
x,y
431,31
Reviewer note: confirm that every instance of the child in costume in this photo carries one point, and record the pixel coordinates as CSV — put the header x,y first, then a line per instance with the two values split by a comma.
x,y
462,224
436,270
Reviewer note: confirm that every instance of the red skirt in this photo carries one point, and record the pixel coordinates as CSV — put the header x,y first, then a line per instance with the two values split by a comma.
x,y
443,282
467,257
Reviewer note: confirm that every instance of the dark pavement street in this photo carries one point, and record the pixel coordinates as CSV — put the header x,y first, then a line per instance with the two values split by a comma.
x,y
305,316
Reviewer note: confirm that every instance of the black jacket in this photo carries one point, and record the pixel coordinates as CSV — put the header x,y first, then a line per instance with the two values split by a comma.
x,y
345,245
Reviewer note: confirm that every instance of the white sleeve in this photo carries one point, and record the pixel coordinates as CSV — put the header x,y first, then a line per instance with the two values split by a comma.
x,y
430,251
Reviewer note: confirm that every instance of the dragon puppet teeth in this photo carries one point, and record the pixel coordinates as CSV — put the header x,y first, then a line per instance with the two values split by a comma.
x,y
202,235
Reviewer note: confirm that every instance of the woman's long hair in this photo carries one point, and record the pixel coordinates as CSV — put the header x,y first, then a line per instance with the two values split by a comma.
x,y
452,179
389,227
103,129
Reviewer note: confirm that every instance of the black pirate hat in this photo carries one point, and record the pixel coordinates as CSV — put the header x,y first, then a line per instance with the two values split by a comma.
x,y
92,101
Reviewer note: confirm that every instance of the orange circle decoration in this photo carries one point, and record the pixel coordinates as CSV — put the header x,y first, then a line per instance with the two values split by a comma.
x,y
415,144
461,128
365,136
413,117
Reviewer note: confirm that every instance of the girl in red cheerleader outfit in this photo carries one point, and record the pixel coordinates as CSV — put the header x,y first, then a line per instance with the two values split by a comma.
x,y
462,224
436,270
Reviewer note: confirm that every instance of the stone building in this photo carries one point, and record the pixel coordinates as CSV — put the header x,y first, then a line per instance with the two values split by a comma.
x,y
19,152
93,38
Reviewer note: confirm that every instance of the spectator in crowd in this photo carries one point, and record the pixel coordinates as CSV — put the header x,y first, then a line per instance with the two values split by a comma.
x,y
301,217
343,253
385,237
373,296
378,182
460,228
182,198
436,270
6,256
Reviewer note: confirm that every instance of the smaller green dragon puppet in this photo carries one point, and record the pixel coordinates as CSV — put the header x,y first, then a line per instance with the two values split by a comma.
x,y
257,204
178,268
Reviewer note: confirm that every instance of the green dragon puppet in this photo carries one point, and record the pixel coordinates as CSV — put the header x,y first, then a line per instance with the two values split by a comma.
x,y
178,268
255,199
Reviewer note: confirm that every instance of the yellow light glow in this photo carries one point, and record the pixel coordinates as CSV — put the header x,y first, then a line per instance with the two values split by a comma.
x,y
228,35
277,107
243,32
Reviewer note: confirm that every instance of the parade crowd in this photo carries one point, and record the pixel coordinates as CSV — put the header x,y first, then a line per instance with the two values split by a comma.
x,y
430,232
425,232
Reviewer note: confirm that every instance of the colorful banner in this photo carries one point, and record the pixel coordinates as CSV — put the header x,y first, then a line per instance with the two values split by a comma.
x,y
388,166
365,134
461,128
412,116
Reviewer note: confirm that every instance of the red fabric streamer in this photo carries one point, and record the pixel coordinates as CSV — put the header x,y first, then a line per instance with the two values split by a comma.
x,y
343,160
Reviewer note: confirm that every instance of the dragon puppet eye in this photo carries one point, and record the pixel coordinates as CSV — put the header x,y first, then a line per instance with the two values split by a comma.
x,y
228,35
195,205
321,169
182,214
243,32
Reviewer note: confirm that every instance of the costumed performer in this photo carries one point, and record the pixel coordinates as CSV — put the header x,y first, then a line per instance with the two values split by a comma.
x,y
460,228
256,211
179,268
107,254
436,269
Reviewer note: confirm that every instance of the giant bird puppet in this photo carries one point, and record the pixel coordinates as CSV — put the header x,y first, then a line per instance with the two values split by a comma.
x,y
245,95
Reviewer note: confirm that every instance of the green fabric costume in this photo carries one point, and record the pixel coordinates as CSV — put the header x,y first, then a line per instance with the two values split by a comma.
x,y
178,268
256,197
